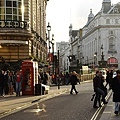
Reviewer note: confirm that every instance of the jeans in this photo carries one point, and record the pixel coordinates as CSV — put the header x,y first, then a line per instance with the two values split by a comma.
x,y
18,88
99,92
117,105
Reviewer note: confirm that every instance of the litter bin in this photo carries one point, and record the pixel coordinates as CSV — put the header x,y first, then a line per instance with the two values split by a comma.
x,y
39,90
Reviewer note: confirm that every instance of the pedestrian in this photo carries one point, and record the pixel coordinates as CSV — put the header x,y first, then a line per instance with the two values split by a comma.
x,y
10,82
73,80
6,87
2,83
98,89
110,78
18,78
45,78
67,77
116,91
107,79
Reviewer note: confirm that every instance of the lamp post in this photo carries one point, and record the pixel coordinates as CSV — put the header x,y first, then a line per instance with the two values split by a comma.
x,y
49,29
58,71
52,42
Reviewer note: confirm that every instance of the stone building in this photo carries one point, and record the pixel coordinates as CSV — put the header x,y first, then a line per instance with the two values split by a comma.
x,y
22,31
100,36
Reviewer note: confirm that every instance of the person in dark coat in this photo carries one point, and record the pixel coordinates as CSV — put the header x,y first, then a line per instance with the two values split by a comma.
x,y
73,80
107,79
67,77
98,89
45,78
2,83
110,78
116,91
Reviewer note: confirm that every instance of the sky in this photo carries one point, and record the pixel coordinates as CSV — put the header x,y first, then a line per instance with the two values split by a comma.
x,y
62,13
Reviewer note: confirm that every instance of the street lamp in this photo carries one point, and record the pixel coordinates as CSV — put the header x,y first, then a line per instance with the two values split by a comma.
x,y
49,29
58,70
52,42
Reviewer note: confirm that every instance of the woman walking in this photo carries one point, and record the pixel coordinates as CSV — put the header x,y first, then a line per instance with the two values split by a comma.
x,y
73,80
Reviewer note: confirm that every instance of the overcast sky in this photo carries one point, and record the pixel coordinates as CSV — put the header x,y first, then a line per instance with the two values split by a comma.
x,y
62,13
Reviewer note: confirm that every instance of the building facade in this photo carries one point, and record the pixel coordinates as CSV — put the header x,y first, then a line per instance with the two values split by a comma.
x,y
22,31
100,36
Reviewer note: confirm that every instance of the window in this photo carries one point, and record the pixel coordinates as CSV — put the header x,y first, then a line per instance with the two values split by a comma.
x,y
8,17
8,3
14,10
2,17
14,17
1,2
19,12
20,18
107,21
111,44
19,5
2,11
116,21
8,10
14,4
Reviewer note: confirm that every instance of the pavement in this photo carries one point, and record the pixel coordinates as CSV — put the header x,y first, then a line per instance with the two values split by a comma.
x,y
10,103
108,113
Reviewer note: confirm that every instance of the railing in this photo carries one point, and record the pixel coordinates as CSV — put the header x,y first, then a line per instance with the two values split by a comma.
x,y
13,24
86,77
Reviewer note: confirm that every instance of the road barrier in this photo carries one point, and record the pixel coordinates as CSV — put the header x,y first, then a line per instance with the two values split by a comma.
x,y
86,77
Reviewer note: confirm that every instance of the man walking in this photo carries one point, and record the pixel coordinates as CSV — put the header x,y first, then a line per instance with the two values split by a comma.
x,y
98,89
116,91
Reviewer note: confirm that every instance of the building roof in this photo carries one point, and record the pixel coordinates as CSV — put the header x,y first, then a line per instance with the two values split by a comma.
x,y
106,0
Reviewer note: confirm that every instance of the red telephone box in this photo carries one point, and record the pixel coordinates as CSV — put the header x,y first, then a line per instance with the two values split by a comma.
x,y
30,77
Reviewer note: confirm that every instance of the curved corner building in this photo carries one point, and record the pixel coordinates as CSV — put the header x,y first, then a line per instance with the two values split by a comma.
x,y
22,31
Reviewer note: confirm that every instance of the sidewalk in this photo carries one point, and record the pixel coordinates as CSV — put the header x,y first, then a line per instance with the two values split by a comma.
x,y
11,103
108,113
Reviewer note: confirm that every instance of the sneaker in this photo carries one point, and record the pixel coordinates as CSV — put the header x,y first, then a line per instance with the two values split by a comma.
x,y
116,112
